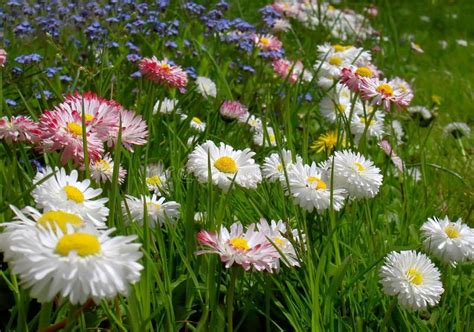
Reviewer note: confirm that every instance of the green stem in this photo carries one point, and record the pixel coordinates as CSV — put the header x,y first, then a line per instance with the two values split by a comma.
x,y
230,299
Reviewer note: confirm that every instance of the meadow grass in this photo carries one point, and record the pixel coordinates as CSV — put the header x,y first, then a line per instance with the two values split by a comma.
x,y
337,286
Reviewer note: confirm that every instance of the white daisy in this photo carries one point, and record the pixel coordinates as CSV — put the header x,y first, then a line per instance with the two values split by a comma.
x,y
338,102
158,211
423,111
261,138
451,242
158,180
252,121
225,165
457,129
356,174
374,124
413,278
197,124
311,189
165,106
64,192
274,165
77,264
396,129
206,87
102,170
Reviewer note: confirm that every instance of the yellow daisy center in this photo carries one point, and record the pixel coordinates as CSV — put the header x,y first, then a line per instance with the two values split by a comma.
x,y
320,184
331,7
74,194
272,138
88,117
280,167
279,241
196,120
364,71
155,205
226,165
154,180
340,107
104,165
414,276
239,243
83,244
74,128
385,89
59,219
265,41
338,47
359,166
335,61
451,232
364,121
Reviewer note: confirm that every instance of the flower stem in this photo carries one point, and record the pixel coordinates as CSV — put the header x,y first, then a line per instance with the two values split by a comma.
x,y
230,299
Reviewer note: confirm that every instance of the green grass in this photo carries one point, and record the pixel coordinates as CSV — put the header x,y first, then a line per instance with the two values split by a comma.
x,y
337,287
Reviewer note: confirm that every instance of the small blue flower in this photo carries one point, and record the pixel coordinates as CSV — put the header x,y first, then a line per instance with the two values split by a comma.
x,y
10,102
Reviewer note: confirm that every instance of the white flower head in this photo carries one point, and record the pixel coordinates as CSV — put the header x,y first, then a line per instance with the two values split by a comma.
x,y
356,174
225,165
206,87
197,124
158,179
165,106
457,129
158,210
451,242
274,165
413,278
65,192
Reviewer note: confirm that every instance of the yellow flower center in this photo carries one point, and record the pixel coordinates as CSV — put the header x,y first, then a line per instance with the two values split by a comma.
x,y
279,241
340,48
272,138
74,194
88,117
331,7
59,219
155,205
359,166
320,184
239,243
451,232
385,89
74,128
414,276
280,167
226,165
196,120
265,41
83,244
364,71
340,107
335,61
154,180
103,165
364,121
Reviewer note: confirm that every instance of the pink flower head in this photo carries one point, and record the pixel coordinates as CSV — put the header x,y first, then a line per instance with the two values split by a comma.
x,y
372,10
290,71
19,129
101,115
387,148
385,93
248,249
267,42
3,57
62,130
163,72
351,76
286,8
134,130
232,109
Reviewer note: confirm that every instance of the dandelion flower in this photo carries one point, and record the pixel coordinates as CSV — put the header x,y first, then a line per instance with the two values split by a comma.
x,y
413,278
328,142
451,242
225,165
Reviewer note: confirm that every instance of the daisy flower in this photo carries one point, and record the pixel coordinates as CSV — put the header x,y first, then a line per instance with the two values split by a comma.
x,y
291,71
417,48
276,233
260,138
252,121
158,211
249,249
281,25
197,124
267,42
78,264
134,130
351,76
328,142
206,87
374,124
274,166
397,161
64,192
163,72
346,53
19,129
423,111
385,93
413,278
158,180
329,70
165,106
102,170
310,188
451,242
62,130
3,57
338,103
457,129
225,165
356,174
232,109
286,8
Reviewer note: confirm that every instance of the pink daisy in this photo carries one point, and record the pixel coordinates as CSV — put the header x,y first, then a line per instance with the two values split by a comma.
x,y
163,72
3,57
134,130
286,8
232,109
267,42
384,93
248,249
19,129
290,71
351,76
62,130
102,170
